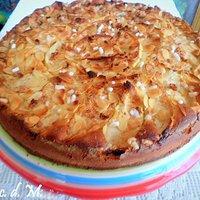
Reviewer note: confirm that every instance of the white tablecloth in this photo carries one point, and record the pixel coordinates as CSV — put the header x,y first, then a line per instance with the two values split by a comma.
x,y
186,187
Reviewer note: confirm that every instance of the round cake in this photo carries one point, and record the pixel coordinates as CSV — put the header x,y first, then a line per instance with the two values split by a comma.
x,y
99,84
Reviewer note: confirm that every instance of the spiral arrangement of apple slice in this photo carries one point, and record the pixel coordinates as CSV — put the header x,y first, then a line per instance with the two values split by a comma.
x,y
125,72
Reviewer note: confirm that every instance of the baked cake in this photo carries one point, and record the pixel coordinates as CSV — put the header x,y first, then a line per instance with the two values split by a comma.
x,y
100,84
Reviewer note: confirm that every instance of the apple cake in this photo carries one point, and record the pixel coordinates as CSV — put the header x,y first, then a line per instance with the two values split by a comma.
x,y
100,84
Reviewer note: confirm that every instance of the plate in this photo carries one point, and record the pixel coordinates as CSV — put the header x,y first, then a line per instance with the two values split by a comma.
x,y
90,183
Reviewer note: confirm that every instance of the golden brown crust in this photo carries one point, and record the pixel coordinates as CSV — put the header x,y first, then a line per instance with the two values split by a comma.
x,y
91,88
79,154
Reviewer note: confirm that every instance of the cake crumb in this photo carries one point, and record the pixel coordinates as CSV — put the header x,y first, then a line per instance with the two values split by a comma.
x,y
193,94
147,142
103,97
59,87
115,123
3,100
15,69
133,143
148,117
71,73
100,28
13,46
134,113
110,89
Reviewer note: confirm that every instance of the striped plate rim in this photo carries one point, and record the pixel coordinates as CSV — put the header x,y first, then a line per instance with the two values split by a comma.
x,y
96,178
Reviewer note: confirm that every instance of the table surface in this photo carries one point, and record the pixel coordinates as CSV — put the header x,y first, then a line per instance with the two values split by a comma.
x,y
183,188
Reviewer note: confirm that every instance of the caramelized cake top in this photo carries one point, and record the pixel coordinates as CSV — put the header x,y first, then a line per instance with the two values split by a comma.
x,y
125,71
